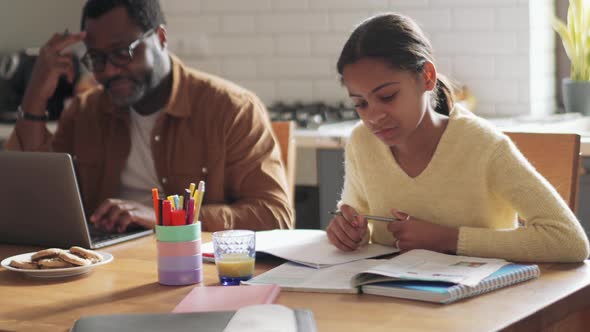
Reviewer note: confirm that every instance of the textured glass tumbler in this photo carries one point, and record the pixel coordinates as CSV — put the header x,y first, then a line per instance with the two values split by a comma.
x,y
235,253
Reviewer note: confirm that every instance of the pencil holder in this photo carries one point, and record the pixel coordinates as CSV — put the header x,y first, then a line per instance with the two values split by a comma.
x,y
182,233
179,254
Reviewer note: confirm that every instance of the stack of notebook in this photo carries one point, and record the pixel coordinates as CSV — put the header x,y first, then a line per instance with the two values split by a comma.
x,y
418,274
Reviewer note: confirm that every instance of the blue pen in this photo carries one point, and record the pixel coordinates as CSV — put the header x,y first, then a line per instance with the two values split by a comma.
x,y
176,202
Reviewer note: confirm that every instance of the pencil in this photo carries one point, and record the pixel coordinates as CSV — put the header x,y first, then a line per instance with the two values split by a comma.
x,y
199,200
388,219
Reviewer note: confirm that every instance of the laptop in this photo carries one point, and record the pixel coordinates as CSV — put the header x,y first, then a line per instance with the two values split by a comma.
x,y
40,204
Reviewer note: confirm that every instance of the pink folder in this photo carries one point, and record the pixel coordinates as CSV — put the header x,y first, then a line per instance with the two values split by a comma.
x,y
227,298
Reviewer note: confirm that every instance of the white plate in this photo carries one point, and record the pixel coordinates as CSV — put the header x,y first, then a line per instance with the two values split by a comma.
x,y
54,273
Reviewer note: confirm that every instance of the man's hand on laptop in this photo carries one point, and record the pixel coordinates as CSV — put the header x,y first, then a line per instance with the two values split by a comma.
x,y
115,215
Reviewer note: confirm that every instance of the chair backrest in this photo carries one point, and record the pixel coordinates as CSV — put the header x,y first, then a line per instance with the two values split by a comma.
x,y
556,157
285,133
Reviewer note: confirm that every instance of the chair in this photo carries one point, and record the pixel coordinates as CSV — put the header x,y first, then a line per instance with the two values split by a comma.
x,y
285,133
556,157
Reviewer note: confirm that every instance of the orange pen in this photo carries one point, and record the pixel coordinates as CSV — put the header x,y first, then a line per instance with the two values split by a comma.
x,y
155,198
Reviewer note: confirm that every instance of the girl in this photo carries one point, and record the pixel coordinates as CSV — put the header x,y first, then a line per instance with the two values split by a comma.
x,y
455,182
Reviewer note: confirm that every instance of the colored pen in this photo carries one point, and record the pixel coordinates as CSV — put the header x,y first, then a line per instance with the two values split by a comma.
x,y
167,213
196,195
201,191
172,202
155,201
191,211
178,218
187,205
176,202
160,220
339,213
192,187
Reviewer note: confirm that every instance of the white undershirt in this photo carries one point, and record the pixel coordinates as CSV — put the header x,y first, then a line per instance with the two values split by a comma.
x,y
139,174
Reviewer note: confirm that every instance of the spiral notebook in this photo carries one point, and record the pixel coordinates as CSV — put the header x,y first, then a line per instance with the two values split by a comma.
x,y
417,274
445,292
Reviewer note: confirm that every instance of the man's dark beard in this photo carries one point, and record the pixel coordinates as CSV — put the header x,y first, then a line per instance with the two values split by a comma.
x,y
138,93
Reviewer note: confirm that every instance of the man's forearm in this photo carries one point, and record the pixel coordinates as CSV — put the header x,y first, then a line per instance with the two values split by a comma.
x,y
31,134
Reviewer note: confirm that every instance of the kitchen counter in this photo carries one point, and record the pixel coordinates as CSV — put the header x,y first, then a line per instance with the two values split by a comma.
x,y
334,136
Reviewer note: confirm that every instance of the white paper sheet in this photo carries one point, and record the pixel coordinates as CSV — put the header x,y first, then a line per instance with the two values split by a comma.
x,y
434,266
262,318
333,279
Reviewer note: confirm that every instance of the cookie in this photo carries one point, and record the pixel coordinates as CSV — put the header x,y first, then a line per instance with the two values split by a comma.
x,y
73,259
53,263
24,264
93,256
47,253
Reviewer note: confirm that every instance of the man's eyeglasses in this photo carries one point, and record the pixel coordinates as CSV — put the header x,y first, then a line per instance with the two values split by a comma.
x,y
96,61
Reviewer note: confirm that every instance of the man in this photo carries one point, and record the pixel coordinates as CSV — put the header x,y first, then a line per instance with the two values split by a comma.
x,y
154,123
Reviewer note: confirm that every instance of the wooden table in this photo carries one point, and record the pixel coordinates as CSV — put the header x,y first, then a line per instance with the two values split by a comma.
x,y
560,298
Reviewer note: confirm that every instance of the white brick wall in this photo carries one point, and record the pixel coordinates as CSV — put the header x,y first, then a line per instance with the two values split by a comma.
x,y
541,58
286,50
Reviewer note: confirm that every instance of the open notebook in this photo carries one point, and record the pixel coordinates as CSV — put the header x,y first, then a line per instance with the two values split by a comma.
x,y
445,278
309,247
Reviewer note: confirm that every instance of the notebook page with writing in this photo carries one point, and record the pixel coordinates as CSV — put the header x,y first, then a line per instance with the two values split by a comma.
x,y
309,247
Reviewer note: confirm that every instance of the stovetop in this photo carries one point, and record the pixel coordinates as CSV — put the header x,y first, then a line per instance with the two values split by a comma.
x,y
311,115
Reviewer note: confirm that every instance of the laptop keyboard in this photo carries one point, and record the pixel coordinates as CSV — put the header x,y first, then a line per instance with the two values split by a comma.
x,y
101,239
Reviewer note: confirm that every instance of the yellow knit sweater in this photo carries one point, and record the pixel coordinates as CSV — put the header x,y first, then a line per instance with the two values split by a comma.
x,y
476,181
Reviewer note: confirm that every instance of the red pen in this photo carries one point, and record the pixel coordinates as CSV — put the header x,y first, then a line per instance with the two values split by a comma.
x,y
179,217
167,213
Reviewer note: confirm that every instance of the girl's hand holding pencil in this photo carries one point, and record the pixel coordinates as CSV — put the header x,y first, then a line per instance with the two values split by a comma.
x,y
347,230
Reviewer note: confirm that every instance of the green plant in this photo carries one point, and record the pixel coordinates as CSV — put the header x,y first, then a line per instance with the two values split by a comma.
x,y
576,38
